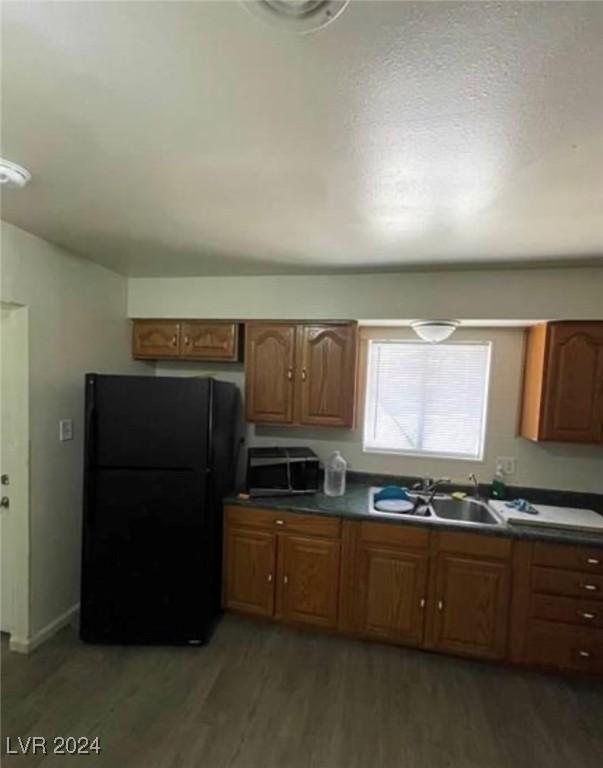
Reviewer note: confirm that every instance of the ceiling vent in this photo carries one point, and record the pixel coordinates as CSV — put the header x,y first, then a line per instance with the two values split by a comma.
x,y
13,175
298,16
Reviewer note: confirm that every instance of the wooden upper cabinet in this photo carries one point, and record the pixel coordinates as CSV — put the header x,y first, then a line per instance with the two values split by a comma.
x,y
249,571
301,373
155,338
327,355
185,339
209,341
269,367
308,580
563,383
471,605
392,593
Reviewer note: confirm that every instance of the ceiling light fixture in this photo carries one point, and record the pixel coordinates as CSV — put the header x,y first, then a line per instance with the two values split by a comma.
x,y
298,16
13,175
434,331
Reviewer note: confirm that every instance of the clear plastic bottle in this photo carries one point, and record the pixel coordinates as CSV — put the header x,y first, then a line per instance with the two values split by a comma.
x,y
335,470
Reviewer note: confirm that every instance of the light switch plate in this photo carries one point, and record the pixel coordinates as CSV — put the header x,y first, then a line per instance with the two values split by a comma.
x,y
507,465
65,430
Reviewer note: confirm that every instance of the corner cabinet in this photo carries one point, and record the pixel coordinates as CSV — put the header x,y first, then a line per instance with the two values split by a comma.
x,y
301,373
211,340
563,383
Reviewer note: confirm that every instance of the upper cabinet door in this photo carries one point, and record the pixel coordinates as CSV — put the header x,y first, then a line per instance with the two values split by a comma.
x,y
152,339
209,341
327,374
573,387
269,370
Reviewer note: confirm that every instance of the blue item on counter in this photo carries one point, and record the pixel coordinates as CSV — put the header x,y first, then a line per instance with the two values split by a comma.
x,y
522,505
392,492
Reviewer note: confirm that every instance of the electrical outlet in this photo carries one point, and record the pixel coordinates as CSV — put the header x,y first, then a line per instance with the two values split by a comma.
x,y
65,430
506,464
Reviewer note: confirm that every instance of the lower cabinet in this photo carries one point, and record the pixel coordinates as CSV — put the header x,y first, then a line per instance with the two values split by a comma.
x,y
471,605
392,588
462,593
249,571
308,586
282,566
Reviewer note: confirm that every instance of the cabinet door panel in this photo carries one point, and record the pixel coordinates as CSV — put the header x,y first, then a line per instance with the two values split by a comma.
x,y
392,588
472,605
328,374
269,368
152,339
249,572
573,409
308,580
209,341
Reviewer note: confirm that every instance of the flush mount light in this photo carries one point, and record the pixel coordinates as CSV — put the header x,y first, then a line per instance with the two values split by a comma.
x,y
434,331
13,175
298,16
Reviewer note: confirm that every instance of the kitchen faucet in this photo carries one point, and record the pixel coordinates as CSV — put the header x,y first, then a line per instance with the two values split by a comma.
x,y
476,493
427,485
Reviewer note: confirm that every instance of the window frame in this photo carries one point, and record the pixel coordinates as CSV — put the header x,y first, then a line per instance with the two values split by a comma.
x,y
481,458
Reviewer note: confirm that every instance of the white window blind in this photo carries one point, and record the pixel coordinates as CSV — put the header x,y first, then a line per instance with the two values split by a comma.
x,y
427,399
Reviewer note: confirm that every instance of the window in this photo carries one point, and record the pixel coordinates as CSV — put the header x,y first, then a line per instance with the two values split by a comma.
x,y
427,399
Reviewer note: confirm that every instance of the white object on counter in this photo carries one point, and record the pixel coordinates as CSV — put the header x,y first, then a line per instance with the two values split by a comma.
x,y
335,470
555,517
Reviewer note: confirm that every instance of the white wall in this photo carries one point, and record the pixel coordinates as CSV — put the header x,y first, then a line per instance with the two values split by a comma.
x,y
544,465
486,294
77,323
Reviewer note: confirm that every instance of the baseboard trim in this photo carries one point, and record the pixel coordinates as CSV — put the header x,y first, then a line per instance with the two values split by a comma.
x,y
27,645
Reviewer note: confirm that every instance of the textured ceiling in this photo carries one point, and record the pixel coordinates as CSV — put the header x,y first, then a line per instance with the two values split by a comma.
x,y
190,138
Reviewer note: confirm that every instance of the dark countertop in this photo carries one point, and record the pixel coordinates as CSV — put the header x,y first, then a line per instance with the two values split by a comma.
x,y
354,505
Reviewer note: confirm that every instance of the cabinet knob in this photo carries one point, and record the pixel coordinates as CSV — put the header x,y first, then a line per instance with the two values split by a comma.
x,y
279,522
593,561
269,578
422,602
590,587
285,579
186,341
290,374
174,340
440,605
584,654
586,615
304,375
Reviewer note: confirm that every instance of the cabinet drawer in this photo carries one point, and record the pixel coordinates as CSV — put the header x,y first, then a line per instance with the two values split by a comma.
x,y
475,544
393,535
567,609
290,522
550,581
571,558
564,646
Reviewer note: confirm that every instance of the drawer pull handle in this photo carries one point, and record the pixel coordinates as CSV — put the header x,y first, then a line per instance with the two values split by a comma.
x,y
593,561
584,654
590,587
586,615
279,522
174,340
186,341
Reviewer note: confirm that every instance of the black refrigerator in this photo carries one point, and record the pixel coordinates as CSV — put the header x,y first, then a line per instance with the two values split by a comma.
x,y
160,454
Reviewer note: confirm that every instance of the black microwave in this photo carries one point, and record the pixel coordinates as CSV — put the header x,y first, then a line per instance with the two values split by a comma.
x,y
282,471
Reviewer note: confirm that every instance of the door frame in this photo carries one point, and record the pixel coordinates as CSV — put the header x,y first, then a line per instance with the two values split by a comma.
x,y
14,351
